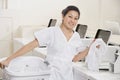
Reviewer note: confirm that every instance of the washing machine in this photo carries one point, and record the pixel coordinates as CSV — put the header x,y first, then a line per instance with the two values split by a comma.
x,y
26,68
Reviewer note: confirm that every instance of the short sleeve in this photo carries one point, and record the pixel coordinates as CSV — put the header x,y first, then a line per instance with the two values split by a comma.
x,y
43,36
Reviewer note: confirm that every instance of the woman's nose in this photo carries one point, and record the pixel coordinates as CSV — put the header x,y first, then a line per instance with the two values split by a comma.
x,y
73,20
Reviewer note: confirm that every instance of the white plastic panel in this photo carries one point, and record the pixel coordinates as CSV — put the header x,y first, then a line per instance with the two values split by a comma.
x,y
5,28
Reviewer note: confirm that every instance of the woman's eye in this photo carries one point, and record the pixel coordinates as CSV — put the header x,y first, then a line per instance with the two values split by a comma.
x,y
76,18
70,16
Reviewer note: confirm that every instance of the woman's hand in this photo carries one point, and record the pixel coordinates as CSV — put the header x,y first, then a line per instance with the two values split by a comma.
x,y
4,63
98,46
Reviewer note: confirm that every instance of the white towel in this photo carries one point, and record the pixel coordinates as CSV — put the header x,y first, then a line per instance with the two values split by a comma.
x,y
94,56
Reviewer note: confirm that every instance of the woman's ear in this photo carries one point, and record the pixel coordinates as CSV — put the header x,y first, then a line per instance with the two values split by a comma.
x,y
62,16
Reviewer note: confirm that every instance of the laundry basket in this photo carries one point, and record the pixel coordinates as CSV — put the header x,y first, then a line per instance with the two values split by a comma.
x,y
26,68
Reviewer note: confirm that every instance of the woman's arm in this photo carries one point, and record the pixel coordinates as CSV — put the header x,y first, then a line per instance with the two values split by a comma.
x,y
28,47
81,55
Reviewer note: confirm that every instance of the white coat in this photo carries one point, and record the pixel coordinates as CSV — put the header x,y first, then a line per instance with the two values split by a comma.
x,y
60,52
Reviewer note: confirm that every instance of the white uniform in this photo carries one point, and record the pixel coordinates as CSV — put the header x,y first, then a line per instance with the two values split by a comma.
x,y
60,52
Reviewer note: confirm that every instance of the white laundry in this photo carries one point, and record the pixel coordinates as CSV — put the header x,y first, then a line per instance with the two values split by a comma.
x,y
94,56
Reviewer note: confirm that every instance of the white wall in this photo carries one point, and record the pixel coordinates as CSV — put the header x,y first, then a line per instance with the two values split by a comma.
x,y
110,10
90,14
36,12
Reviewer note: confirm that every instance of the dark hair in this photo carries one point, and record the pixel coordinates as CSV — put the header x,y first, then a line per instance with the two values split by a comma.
x,y
69,8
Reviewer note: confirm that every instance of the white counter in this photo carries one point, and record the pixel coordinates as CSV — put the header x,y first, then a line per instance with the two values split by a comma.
x,y
81,71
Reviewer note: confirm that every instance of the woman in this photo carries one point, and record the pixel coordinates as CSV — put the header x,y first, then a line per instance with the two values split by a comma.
x,y
63,46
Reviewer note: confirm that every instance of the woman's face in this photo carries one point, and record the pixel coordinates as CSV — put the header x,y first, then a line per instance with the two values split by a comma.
x,y
70,19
